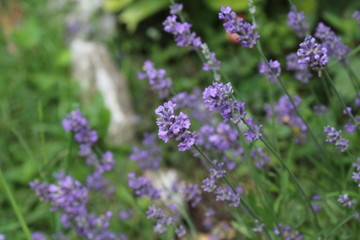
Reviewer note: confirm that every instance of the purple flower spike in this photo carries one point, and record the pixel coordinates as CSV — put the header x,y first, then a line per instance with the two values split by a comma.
x,y
313,54
148,155
171,126
160,84
345,200
335,138
335,48
176,8
272,70
296,20
356,16
233,24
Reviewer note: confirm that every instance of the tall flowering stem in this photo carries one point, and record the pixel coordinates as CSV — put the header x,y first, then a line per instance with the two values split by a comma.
x,y
15,206
243,203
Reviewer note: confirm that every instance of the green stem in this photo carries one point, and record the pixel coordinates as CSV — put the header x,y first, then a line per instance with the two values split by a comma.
x,y
15,206
293,177
243,203
339,96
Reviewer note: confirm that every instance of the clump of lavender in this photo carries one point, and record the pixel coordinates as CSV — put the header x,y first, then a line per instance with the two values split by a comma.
x,y
211,64
233,24
302,72
192,194
160,84
335,138
296,20
180,231
172,126
287,232
162,219
254,131
313,54
345,200
148,156
70,197
285,113
356,16
272,69
335,48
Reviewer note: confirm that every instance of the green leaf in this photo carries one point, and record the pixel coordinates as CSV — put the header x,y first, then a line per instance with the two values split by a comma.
x,y
139,11
116,5
240,5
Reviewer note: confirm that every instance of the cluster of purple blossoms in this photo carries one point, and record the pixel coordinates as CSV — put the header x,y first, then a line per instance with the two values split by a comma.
x,y
335,48
160,84
192,194
217,97
162,219
335,138
38,236
272,70
296,20
302,72
70,197
126,214
180,231
287,233
143,187
185,38
193,101
148,156
356,16
285,113
222,138
345,200
2,237
181,31
78,124
233,24
313,54
171,126
254,131
259,157
316,206
223,194
259,226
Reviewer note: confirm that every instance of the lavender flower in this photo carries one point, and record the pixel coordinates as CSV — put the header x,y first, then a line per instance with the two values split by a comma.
x,y
217,97
148,155
211,64
182,33
272,69
350,128
2,237
38,236
356,177
171,126
221,138
357,100
180,231
259,157
162,220
302,72
287,232
356,164
226,194
192,194
345,200
335,138
259,226
143,187
313,54
77,123
254,131
176,8
320,109
233,24
356,16
296,20
126,214
160,84
335,48
285,113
